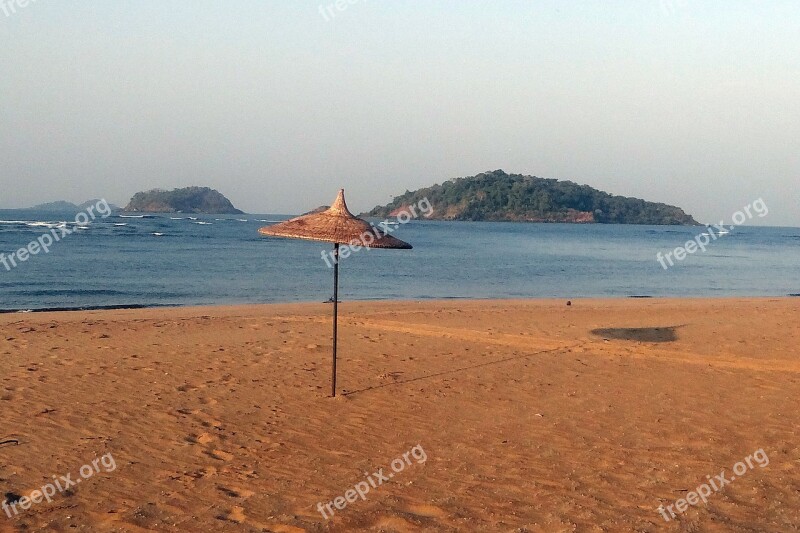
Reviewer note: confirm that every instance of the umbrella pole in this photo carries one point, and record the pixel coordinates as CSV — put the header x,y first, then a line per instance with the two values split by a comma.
x,y
335,313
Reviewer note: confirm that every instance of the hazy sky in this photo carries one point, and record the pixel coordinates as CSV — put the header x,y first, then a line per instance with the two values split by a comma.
x,y
694,103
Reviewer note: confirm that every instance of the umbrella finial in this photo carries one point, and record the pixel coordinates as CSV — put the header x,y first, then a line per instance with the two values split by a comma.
x,y
339,207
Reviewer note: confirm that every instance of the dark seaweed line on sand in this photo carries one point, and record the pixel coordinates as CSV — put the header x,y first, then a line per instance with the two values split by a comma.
x,y
87,308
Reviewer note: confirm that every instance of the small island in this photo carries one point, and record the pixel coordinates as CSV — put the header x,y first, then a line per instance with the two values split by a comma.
x,y
497,196
62,206
203,200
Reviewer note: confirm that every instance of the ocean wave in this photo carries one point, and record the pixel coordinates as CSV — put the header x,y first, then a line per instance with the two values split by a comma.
x,y
13,222
130,216
157,234
51,225
46,224
203,223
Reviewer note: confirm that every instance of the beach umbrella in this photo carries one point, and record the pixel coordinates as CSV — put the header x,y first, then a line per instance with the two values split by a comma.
x,y
336,225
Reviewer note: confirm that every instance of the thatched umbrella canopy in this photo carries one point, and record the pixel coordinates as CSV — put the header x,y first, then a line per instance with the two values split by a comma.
x,y
339,226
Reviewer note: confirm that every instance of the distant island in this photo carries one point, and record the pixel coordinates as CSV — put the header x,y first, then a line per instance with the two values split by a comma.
x,y
187,200
320,209
497,196
62,206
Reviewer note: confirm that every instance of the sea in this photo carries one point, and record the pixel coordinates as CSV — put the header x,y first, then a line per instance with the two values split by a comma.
x,y
126,261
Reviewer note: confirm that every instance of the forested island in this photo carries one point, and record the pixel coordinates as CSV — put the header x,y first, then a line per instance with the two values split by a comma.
x,y
497,196
186,200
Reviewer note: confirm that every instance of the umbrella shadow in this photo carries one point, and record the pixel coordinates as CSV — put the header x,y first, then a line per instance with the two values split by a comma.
x,y
462,369
658,334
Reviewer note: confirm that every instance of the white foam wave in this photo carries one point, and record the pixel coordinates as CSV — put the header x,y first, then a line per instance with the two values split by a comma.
x,y
45,224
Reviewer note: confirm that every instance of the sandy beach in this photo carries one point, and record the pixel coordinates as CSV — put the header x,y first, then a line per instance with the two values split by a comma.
x,y
530,416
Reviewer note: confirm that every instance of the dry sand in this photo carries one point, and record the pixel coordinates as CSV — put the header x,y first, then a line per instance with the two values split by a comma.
x,y
218,418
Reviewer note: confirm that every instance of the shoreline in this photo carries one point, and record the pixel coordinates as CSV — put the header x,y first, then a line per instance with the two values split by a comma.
x,y
130,307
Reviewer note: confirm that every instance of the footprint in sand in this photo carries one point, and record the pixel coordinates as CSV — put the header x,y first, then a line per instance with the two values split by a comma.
x,y
234,515
426,511
211,423
394,523
221,455
202,438
235,492
208,471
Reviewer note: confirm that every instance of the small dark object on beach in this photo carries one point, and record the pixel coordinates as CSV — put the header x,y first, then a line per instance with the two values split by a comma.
x,y
12,497
569,302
